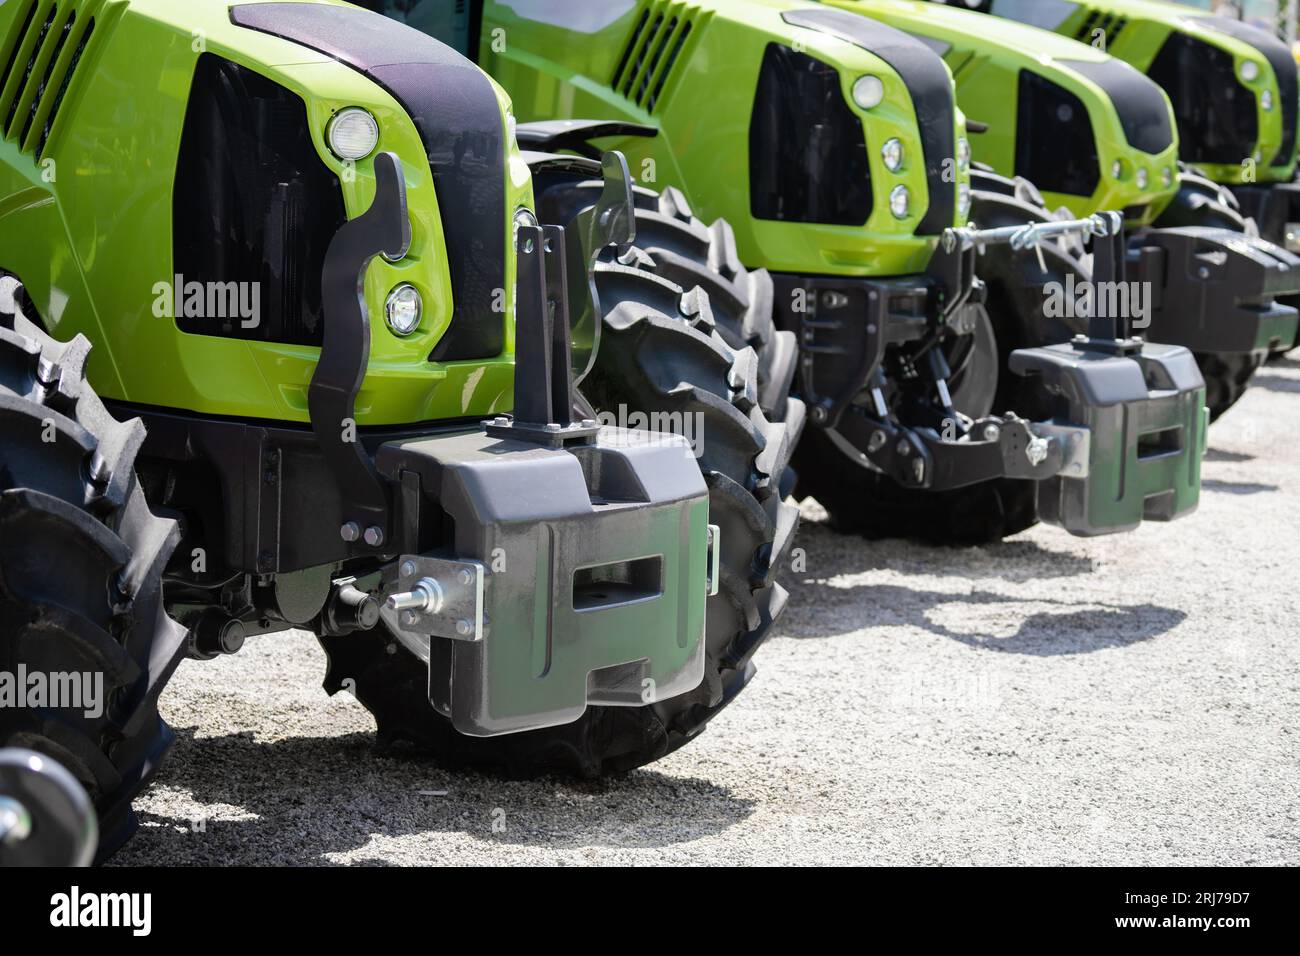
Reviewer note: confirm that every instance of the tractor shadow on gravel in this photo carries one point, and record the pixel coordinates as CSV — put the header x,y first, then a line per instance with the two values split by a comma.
x,y
978,618
301,800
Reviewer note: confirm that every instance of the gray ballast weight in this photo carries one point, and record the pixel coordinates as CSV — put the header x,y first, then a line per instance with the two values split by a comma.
x,y
1131,428
580,575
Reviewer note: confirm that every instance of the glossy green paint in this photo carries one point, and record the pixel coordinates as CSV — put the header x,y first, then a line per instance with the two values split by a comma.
x,y
1147,25
89,231
986,56
562,70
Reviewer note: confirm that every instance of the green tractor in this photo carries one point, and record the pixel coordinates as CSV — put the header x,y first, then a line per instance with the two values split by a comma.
x,y
348,376
1069,127
1235,91
833,145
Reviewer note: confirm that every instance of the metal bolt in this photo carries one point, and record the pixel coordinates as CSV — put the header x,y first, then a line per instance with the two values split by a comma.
x,y
410,619
426,595
590,423
876,441
466,575
350,531
1037,449
407,569
819,414
553,426
904,449
464,628
918,469
374,536
992,432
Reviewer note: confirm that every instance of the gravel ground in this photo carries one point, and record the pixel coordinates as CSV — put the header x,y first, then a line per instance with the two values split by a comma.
x,y
1050,700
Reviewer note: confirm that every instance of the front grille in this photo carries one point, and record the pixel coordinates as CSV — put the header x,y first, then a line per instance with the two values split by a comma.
x,y
1110,25
1055,146
1141,106
807,151
1283,62
253,205
652,51
1216,115
40,57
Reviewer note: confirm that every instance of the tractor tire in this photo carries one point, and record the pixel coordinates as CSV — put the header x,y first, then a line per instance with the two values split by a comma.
x,y
691,254
1200,202
1227,376
81,562
874,505
661,351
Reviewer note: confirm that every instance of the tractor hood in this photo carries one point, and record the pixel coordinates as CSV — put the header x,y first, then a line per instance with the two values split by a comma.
x,y
1235,88
1110,142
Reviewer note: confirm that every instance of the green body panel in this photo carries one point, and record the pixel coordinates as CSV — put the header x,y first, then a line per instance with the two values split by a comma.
x,y
557,70
89,231
1146,25
987,55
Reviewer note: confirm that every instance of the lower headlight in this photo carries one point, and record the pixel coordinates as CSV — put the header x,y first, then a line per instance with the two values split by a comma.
x,y
900,202
1266,99
523,217
963,202
892,154
1117,169
963,153
1167,176
1142,178
404,309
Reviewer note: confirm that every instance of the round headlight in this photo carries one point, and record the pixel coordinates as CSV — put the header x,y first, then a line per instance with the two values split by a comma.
x,y
1266,99
404,309
900,202
1250,71
892,153
1167,176
352,134
523,217
868,92
963,202
963,153
1143,177
1117,169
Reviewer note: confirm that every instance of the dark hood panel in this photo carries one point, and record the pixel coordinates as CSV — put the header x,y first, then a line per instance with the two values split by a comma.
x,y
459,120
1143,111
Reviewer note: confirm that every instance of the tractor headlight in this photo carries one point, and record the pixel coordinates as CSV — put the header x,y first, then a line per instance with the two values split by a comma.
x,y
900,202
1167,177
1117,169
1266,100
404,309
1143,177
523,217
963,153
963,202
1249,71
868,92
352,134
892,154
